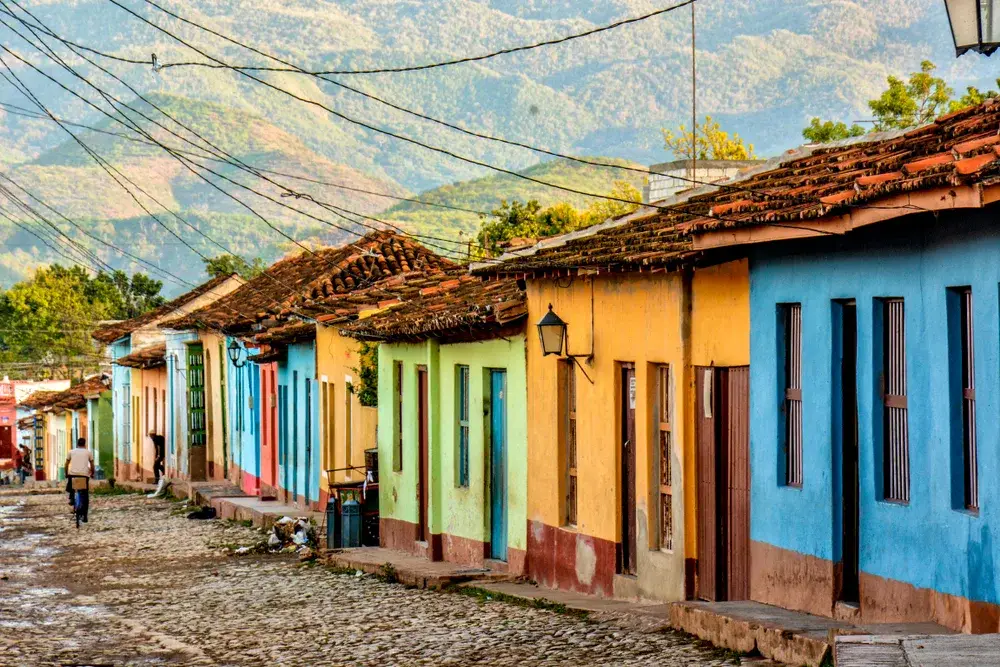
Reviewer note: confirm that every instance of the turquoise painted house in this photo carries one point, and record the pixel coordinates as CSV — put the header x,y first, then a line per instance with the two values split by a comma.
x,y
875,374
452,437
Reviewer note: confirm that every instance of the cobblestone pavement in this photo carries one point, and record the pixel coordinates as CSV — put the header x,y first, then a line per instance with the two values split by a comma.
x,y
142,585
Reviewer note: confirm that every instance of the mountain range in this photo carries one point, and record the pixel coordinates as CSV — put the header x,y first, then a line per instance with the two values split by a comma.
x,y
764,68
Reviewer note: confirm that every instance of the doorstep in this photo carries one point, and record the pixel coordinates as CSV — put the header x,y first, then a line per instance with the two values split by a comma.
x,y
918,650
262,513
410,570
778,634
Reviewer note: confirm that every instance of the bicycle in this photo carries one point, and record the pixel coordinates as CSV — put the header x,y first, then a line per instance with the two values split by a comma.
x,y
80,485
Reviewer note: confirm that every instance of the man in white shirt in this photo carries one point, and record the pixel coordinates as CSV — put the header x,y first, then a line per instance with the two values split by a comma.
x,y
79,463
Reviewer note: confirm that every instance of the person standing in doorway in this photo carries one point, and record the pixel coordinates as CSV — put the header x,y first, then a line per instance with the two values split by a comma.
x,y
159,455
26,468
80,463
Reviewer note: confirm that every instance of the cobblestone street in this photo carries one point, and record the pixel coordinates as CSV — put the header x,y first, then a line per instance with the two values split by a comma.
x,y
142,585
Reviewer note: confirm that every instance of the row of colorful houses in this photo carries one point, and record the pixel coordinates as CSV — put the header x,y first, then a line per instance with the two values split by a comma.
x,y
779,387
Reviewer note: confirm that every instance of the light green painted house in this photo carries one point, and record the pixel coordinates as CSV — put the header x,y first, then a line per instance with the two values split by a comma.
x,y
452,434
100,429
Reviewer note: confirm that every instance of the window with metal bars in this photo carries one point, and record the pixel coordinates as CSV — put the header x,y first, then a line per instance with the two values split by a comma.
x,y
895,429
964,392
397,448
568,389
791,316
664,460
463,425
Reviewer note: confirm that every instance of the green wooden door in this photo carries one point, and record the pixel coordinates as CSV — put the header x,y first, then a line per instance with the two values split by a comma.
x,y
196,413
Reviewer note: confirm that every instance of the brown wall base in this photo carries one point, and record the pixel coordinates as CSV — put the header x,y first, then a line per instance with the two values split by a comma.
x,y
475,553
560,558
795,581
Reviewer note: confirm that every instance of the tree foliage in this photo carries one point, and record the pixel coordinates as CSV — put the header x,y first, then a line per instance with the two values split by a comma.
x,y
529,220
822,132
227,265
711,143
49,318
903,104
367,371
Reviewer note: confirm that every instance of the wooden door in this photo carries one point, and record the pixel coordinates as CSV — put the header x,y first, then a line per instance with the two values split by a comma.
x,y
6,442
850,588
498,465
705,439
423,444
735,383
197,450
308,440
295,435
627,559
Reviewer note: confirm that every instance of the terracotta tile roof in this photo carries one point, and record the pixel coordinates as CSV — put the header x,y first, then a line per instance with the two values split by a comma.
x,y
112,331
286,334
452,304
39,399
804,184
73,398
291,285
147,357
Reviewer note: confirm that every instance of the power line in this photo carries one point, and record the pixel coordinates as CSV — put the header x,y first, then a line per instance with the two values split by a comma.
x,y
434,65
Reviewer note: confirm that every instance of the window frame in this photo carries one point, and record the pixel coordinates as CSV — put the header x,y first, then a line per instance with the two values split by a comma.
x,y
664,468
397,444
791,399
895,411
568,404
462,424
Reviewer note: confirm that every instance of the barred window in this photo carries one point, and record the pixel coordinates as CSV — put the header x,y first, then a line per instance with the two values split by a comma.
x,y
463,425
792,400
664,459
895,434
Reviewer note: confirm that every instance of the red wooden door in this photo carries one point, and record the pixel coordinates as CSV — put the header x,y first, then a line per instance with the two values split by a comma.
x,y
6,442
736,436
627,560
705,461
423,437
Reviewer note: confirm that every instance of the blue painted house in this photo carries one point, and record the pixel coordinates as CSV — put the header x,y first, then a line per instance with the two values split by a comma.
x,y
875,377
243,394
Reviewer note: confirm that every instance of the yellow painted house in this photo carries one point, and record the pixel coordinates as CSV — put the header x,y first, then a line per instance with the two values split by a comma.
x,y
637,415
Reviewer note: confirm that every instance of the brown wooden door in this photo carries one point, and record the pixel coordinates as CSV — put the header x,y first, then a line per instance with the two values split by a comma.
x,y
627,549
423,437
736,434
705,437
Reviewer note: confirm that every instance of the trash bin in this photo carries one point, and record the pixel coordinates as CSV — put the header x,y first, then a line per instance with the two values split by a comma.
x,y
350,517
332,524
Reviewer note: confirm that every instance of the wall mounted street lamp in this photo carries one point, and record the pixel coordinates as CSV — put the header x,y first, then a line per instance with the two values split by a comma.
x,y
975,25
554,337
236,354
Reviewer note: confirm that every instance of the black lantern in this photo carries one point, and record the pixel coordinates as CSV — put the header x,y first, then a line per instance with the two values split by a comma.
x,y
551,333
235,352
975,25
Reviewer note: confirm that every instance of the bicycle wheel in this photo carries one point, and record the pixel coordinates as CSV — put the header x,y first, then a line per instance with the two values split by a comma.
x,y
77,506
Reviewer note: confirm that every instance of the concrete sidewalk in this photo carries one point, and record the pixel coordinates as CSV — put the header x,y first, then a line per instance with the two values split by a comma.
x,y
918,651
263,513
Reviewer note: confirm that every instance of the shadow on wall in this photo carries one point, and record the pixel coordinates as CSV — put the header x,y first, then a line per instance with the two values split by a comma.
x,y
982,578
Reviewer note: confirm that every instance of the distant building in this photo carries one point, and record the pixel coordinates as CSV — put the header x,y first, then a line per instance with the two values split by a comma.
x,y
669,178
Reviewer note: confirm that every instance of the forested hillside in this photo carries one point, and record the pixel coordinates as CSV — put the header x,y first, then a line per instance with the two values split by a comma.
x,y
765,68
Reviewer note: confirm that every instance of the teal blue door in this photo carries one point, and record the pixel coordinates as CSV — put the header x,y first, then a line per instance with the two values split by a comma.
x,y
498,465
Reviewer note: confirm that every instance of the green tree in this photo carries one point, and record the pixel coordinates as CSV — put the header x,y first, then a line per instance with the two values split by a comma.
x,y
907,104
919,100
367,371
820,132
529,220
227,265
972,97
712,143
126,296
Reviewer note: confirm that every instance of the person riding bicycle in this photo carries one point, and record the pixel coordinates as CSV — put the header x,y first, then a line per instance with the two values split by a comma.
x,y
80,463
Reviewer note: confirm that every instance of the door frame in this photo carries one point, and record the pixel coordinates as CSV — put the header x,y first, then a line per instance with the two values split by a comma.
x,y
423,455
723,471
498,469
846,385
628,544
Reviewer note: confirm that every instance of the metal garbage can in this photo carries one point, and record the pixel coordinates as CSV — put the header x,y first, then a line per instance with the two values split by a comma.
x,y
332,524
350,518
